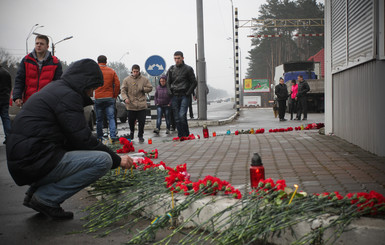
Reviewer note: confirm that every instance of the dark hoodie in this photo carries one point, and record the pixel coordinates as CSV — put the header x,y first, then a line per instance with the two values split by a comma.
x,y
52,123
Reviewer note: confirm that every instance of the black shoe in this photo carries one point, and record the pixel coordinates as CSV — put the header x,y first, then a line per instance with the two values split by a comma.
x,y
26,201
55,213
141,140
167,131
283,119
131,136
304,119
156,131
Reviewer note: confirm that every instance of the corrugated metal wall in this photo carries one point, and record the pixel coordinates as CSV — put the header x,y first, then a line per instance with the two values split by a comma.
x,y
359,106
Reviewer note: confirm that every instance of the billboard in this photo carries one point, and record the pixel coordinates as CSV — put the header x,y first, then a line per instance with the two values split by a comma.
x,y
252,101
252,85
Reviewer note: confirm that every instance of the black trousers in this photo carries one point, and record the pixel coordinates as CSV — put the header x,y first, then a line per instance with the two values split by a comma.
x,y
281,108
302,107
292,107
141,117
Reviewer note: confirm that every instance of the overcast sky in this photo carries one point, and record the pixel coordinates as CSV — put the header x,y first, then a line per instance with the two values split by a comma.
x,y
142,28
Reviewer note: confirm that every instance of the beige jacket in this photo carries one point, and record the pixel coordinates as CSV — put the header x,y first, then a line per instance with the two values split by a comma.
x,y
135,89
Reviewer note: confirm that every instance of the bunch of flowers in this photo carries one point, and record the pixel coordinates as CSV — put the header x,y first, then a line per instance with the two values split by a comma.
x,y
127,146
275,130
250,131
178,180
190,137
372,202
310,126
152,154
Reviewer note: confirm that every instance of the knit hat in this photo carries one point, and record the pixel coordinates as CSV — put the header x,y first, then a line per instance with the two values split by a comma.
x,y
163,77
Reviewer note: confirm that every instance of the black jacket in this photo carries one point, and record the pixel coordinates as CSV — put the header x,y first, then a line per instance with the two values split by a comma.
x,y
181,80
52,123
303,88
5,85
281,92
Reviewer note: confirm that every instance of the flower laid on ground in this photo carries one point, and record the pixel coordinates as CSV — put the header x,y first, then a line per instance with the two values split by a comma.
x,y
275,130
250,131
190,137
151,154
127,146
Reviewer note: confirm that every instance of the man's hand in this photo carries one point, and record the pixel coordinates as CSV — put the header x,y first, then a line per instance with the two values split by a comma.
x,y
126,162
19,102
127,101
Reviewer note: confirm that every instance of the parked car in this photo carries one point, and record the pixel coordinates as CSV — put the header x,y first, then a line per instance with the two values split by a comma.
x,y
121,111
89,114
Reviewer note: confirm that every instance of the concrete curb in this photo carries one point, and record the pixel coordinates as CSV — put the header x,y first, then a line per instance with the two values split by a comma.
x,y
198,123
362,231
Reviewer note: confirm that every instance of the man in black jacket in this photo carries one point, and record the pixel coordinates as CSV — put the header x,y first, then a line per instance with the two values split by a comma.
x,y
303,88
51,147
181,82
282,95
5,91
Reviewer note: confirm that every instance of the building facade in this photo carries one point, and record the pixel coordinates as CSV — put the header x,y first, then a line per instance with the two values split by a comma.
x,y
355,72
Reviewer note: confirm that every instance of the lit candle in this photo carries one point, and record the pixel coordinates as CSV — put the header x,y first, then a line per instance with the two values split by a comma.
x,y
149,141
295,191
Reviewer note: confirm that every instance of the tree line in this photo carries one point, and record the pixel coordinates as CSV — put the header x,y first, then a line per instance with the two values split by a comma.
x,y
269,52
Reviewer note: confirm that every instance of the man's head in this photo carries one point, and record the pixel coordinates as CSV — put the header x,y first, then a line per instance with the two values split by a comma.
x,y
178,57
281,81
102,59
41,44
135,70
300,78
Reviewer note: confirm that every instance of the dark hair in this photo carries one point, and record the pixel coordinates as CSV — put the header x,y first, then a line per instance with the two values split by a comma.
x,y
281,78
42,37
294,81
178,53
135,67
300,76
102,59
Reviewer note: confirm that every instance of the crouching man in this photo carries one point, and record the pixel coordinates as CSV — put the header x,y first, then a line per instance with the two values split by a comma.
x,y
51,147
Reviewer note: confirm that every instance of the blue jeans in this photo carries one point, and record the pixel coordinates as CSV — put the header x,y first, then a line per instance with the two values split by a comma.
x,y
76,170
163,110
106,105
4,108
179,106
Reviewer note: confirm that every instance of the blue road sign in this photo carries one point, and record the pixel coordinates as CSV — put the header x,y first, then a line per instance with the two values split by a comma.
x,y
155,65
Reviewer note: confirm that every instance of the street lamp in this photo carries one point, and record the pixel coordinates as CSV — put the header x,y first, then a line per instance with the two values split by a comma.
x,y
126,53
54,44
34,28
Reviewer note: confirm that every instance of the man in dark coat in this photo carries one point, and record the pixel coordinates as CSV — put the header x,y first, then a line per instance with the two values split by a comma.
x,y
303,88
5,92
282,95
181,82
51,147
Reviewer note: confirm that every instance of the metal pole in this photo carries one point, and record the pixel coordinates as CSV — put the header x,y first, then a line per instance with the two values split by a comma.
x,y
202,96
232,29
236,61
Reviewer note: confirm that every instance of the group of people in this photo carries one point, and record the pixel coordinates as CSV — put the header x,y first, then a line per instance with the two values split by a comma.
x,y
50,146
297,98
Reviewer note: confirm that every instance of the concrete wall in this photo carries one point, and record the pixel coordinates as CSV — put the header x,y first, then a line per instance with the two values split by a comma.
x,y
359,106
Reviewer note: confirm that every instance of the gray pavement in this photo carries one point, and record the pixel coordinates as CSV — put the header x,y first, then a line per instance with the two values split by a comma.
x,y
317,163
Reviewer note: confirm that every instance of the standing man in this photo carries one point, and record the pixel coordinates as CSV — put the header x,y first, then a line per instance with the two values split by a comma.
x,y
5,92
134,91
36,70
105,97
52,149
181,82
282,95
303,88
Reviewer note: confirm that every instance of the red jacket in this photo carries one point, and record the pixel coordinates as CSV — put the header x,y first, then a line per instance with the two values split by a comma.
x,y
111,86
30,79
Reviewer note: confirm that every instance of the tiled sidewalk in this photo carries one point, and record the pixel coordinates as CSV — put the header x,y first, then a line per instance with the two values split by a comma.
x,y
315,162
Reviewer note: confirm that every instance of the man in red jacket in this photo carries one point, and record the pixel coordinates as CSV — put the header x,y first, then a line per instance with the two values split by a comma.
x,y
36,70
105,97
